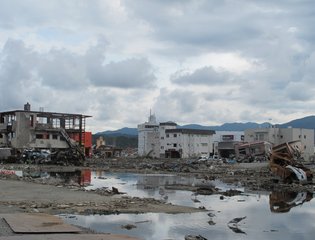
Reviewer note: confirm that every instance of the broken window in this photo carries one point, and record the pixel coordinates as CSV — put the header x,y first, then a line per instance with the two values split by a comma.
x,y
56,123
32,120
39,136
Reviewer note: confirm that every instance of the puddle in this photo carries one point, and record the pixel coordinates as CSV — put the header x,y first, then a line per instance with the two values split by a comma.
x,y
158,186
268,216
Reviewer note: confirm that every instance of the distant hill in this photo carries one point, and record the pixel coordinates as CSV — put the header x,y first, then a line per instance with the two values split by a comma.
x,y
306,122
229,126
119,132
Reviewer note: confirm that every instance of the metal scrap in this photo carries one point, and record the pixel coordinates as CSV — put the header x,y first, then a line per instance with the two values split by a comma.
x,y
285,162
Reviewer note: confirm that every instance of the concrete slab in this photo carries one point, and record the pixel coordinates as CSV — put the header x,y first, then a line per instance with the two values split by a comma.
x,y
38,223
69,237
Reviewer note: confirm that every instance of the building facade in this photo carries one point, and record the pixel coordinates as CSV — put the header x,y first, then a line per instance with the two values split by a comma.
x,y
148,138
166,140
188,143
26,129
224,142
278,136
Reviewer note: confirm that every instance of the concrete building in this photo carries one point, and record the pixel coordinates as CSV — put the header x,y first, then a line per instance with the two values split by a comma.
x,y
188,143
165,140
26,129
224,142
148,138
163,127
278,136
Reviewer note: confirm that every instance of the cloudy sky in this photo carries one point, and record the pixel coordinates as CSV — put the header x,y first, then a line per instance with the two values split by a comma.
x,y
200,61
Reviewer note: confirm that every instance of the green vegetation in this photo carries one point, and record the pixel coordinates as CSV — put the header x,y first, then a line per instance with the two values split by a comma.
x,y
121,141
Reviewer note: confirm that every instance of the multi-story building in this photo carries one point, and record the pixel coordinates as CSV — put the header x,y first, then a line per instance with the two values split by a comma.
x,y
278,136
165,140
224,142
26,129
148,138
188,143
163,127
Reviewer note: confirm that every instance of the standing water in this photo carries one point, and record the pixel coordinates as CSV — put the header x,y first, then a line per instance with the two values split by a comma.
x,y
278,215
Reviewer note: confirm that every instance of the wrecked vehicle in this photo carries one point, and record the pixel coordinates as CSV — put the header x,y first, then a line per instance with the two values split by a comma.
x,y
285,162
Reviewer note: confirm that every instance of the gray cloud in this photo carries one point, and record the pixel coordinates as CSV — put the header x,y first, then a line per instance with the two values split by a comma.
x,y
130,73
202,76
114,53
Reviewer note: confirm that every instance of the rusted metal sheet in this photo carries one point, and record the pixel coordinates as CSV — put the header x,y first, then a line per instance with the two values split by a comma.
x,y
38,223
70,237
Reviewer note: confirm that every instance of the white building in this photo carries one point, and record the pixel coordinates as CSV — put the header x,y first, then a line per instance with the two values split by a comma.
x,y
166,140
187,143
148,138
278,136
164,126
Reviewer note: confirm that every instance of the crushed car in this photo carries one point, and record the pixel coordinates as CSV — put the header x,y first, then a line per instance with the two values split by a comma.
x,y
285,162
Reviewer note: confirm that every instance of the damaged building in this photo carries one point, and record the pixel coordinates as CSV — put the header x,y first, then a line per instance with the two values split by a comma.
x,y
166,140
225,142
276,136
26,129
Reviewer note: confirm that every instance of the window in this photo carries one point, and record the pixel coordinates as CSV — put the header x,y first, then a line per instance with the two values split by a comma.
x,y
1,136
175,135
162,147
162,137
174,145
32,121
39,136
54,136
204,144
304,136
167,135
281,136
304,147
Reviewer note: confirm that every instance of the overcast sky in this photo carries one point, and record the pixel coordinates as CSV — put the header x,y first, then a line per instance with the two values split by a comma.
x,y
200,61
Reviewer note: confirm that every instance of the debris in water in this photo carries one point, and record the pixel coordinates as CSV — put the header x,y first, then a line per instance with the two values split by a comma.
x,y
191,237
236,220
128,226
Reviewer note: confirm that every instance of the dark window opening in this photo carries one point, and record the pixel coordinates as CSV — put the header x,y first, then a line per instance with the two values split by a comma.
x,y
39,136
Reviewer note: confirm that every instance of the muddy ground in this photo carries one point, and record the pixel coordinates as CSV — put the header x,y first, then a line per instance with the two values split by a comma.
x,y
29,194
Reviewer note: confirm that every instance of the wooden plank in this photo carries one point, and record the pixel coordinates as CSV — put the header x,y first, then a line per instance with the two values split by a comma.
x,y
38,223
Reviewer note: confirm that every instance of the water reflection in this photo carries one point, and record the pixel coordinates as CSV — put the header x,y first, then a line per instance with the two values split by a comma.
x,y
282,202
260,222
77,177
